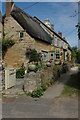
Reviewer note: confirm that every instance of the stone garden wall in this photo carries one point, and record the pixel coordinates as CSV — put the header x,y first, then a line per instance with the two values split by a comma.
x,y
35,80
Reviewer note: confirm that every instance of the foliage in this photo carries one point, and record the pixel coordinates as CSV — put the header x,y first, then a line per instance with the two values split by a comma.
x,y
20,72
78,26
56,72
38,92
36,68
73,54
78,56
6,44
34,56
68,56
44,87
64,67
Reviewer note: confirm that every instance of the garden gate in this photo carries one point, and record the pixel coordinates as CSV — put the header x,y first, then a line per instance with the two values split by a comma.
x,y
10,78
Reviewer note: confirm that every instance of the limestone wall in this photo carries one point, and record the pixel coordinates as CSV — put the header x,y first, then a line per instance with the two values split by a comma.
x,y
15,55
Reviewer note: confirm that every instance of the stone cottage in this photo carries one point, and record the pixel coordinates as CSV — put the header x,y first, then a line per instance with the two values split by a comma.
x,y
31,33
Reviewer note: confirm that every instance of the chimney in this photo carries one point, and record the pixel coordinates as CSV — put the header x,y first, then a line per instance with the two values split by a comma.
x,y
64,38
9,4
52,27
47,22
60,34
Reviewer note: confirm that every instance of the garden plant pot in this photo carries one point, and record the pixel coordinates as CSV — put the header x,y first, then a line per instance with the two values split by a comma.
x,y
32,67
48,64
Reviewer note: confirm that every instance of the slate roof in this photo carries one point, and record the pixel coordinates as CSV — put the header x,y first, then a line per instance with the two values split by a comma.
x,y
30,25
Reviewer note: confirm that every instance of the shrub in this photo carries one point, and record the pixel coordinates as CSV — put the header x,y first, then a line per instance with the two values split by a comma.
x,y
34,56
20,72
6,44
56,72
64,67
43,87
37,93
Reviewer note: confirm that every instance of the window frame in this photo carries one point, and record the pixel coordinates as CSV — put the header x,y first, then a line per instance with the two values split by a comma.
x,y
21,38
57,53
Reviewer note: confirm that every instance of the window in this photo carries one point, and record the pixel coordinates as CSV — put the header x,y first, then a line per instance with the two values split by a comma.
x,y
59,43
57,54
55,41
52,42
62,44
21,35
66,46
51,54
44,56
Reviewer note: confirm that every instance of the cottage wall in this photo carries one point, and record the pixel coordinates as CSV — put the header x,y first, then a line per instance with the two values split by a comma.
x,y
15,55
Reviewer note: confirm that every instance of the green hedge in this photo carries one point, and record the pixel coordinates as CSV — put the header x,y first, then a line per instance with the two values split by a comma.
x,y
56,72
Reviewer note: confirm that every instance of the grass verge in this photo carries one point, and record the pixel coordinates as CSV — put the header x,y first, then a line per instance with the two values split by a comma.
x,y
72,85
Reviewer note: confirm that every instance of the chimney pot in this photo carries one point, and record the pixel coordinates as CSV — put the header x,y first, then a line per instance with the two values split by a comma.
x,y
52,27
60,34
64,38
47,22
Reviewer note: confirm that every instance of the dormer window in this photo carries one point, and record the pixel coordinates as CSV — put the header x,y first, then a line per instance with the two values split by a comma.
x,y
55,41
52,42
21,35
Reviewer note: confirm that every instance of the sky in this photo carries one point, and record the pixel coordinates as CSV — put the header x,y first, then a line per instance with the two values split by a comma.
x,y
62,14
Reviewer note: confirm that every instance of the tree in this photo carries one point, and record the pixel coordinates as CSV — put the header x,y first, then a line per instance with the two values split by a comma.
x,y
78,26
68,56
74,53
78,56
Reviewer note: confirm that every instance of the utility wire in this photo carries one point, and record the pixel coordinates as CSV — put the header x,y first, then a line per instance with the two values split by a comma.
x,y
30,6
70,32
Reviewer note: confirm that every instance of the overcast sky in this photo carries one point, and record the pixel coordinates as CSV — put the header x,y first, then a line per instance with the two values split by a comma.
x,y
62,14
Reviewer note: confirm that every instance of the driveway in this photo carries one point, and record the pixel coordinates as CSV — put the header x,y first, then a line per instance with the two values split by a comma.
x,y
51,105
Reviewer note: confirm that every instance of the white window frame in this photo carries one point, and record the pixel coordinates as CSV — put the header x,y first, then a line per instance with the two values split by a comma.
x,y
55,41
21,38
57,52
